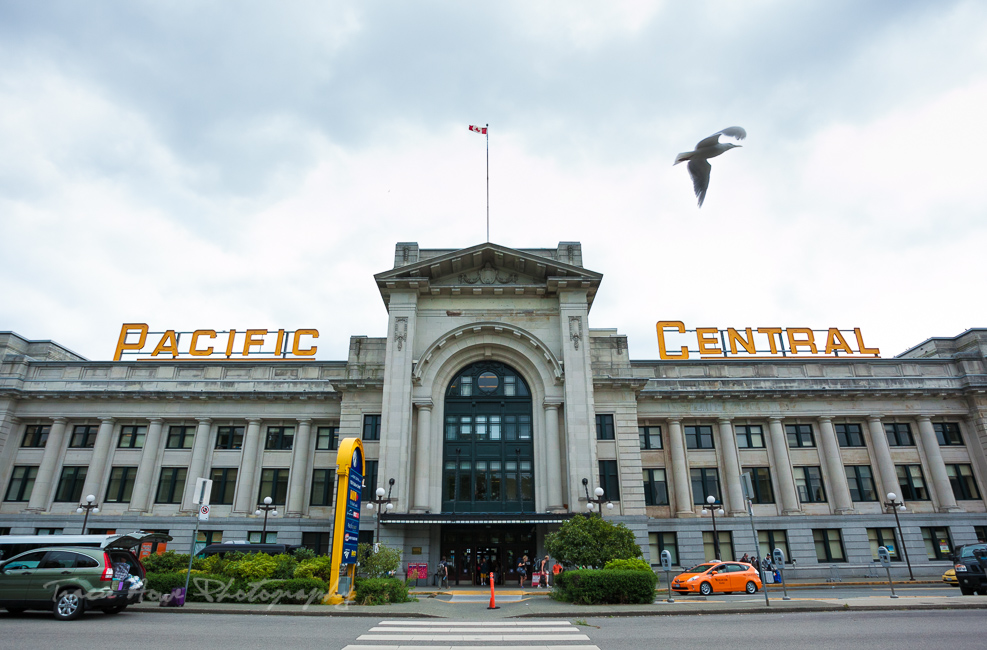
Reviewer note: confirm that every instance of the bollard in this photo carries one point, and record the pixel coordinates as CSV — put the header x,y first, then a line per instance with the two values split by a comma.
x,y
493,603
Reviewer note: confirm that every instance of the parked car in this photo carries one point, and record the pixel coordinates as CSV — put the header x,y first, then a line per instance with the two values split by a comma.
x,y
970,565
68,580
237,547
950,578
722,577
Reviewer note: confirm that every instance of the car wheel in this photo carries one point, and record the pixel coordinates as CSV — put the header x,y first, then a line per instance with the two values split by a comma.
x,y
116,609
705,589
751,587
69,605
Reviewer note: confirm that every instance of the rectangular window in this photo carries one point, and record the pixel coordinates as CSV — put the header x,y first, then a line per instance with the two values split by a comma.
x,y
326,438
980,532
809,484
861,481
800,435
705,483
70,484
726,545
318,542
963,482
47,531
279,438
274,484
21,483
371,427
899,434
655,488
171,485
663,542
229,437
849,435
769,540
948,433
938,545
879,537
254,537
609,480
650,437
604,427
749,436
829,545
223,485
761,482
83,436
121,484
180,437
699,437
912,483
370,479
36,435
322,487
132,436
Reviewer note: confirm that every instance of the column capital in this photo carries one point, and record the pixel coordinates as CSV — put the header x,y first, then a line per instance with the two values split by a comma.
x,y
204,420
923,418
552,404
254,420
57,420
155,420
776,418
724,420
304,420
674,420
107,419
874,417
824,419
423,404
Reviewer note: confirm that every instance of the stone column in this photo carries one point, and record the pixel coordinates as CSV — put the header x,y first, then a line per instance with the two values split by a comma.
x,y
139,500
731,470
839,490
680,470
196,468
423,455
553,457
580,409
43,484
882,455
101,453
299,468
783,467
937,468
246,497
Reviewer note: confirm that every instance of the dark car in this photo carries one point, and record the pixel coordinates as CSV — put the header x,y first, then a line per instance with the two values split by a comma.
x,y
970,564
233,547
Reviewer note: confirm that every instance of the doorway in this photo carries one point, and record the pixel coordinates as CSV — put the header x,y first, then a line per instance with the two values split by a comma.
x,y
498,549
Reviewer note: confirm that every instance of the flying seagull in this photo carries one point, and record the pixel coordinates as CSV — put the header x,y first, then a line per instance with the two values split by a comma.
x,y
707,148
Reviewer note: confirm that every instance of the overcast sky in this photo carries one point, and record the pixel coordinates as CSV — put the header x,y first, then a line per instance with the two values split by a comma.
x,y
252,164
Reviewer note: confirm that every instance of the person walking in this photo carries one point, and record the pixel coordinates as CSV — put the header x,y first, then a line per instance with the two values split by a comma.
x,y
543,570
484,571
522,571
443,573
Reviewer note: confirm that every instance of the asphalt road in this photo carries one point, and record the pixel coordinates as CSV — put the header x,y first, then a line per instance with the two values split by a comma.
x,y
837,591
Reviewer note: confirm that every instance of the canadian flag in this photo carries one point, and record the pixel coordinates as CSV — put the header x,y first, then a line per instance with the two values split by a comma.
x,y
478,129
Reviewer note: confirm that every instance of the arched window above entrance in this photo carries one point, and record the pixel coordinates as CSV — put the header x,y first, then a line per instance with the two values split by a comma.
x,y
488,379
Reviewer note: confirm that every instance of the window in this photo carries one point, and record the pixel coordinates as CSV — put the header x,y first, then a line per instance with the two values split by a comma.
x,y
280,438
47,531
800,435
223,485
206,537
132,436
829,545
650,437
371,427
609,480
21,483
655,488
749,436
899,434
963,482
84,436
121,484
861,481
663,542
879,537
229,437
726,545
705,483
318,542
849,435
761,482
912,483
699,437
36,435
29,561
809,484
948,433
322,485
769,540
254,537
370,478
938,545
70,484
180,437
980,532
171,485
604,427
274,484
326,438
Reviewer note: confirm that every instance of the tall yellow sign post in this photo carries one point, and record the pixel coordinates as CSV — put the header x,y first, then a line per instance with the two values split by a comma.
x,y
346,531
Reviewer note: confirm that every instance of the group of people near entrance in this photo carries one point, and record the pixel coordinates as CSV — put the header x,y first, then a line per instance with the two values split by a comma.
x,y
541,568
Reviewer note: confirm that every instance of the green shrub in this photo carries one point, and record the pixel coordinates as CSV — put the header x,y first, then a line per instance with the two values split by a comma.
x,y
252,567
379,591
301,554
592,542
604,586
319,567
380,563
284,567
218,588
170,561
633,564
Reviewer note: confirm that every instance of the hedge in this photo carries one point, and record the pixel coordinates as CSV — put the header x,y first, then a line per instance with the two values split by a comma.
x,y
217,588
379,591
605,586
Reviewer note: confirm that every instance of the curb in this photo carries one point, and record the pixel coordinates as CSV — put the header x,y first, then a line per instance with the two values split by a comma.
x,y
759,610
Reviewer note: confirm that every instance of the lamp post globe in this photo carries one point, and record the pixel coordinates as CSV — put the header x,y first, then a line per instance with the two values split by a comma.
x,y
90,498
267,501
892,496
711,499
609,506
370,505
78,510
589,506
257,513
95,511
380,492
598,491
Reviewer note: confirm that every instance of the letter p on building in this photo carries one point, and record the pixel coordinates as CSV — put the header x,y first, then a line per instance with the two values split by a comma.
x,y
125,331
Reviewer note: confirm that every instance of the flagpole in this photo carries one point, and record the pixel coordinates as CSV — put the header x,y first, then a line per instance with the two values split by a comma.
x,y
488,182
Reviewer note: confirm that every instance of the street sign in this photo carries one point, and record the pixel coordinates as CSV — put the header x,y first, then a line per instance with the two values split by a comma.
x,y
204,512
350,467
203,489
351,525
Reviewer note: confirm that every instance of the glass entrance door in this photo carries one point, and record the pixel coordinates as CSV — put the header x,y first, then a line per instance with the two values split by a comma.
x,y
497,549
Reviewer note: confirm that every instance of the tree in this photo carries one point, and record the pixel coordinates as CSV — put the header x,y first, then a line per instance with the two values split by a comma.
x,y
592,542
378,564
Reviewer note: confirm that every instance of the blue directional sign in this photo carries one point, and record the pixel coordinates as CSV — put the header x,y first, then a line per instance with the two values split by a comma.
x,y
351,524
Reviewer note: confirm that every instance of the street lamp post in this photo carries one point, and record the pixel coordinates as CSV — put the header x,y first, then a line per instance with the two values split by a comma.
x,y
383,504
89,506
719,511
599,500
266,508
895,507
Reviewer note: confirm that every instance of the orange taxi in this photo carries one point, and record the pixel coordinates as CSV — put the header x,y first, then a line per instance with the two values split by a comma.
x,y
720,577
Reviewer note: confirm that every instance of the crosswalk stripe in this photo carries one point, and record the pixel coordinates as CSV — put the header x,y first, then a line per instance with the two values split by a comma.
x,y
476,623
472,637
471,647
472,629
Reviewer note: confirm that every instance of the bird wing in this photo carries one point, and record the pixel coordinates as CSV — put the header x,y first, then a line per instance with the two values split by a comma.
x,y
734,132
699,170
